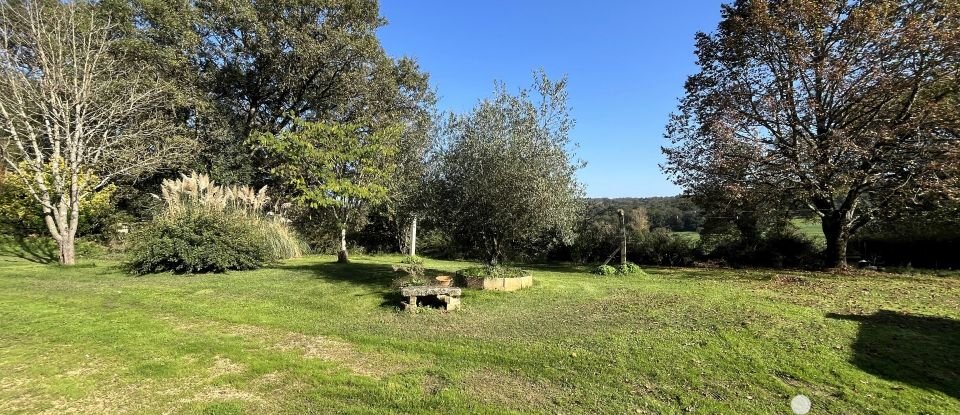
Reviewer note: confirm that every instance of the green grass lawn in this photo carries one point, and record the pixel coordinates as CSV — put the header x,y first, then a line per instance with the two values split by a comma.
x,y
693,236
810,227
310,336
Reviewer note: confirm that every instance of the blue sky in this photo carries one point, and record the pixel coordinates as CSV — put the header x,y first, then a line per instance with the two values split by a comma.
x,y
626,62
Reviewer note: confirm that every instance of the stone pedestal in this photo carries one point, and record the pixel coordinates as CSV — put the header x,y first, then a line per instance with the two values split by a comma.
x,y
450,296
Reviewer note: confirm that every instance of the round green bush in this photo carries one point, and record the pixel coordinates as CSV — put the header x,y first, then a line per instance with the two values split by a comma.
x,y
629,269
605,270
197,241
412,260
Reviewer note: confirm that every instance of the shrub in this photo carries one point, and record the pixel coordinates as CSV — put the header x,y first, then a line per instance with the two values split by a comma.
x,y
409,280
415,272
412,266
605,270
662,247
22,215
197,241
629,269
492,272
927,239
784,248
197,191
412,260
209,228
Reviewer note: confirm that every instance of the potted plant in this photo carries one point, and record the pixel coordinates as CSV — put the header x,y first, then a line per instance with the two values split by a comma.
x,y
496,278
444,280
412,271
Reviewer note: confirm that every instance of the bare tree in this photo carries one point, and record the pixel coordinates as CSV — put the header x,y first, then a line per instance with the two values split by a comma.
x,y
73,116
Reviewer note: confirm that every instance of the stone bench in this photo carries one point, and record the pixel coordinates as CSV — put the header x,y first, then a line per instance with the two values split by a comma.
x,y
448,295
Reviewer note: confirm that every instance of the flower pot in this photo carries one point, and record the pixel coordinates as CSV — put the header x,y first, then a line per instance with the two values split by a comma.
x,y
444,280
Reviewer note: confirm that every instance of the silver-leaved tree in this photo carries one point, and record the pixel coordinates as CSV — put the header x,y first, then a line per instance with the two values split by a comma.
x,y
504,175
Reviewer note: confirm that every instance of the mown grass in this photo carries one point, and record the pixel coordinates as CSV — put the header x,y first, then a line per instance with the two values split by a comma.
x,y
312,336
693,236
811,228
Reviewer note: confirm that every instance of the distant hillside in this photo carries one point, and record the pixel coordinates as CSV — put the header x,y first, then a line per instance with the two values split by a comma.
x,y
676,213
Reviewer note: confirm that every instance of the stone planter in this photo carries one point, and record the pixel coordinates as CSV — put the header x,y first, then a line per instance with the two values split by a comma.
x,y
499,284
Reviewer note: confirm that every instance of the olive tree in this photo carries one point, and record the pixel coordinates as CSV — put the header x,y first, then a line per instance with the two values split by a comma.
x,y
73,116
504,172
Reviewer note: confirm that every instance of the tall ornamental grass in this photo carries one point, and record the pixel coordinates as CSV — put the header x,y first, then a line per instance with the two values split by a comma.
x,y
205,227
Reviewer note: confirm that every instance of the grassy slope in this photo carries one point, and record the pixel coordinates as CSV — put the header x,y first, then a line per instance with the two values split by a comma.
x,y
810,227
310,336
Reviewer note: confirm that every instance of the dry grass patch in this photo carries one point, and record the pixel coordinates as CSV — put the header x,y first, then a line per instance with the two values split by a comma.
x,y
513,391
224,393
341,353
224,366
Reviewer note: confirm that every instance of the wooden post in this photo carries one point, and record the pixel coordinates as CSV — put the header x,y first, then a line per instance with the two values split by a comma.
x,y
413,236
623,242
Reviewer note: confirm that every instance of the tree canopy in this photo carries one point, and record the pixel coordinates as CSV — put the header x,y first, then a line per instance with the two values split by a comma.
x,y
252,67
845,107
505,174
342,168
73,116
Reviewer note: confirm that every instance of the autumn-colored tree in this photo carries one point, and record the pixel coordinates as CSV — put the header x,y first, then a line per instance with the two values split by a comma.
x,y
845,107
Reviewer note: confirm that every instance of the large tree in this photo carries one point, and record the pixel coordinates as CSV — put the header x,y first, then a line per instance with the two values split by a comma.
x,y
250,67
73,115
847,107
504,174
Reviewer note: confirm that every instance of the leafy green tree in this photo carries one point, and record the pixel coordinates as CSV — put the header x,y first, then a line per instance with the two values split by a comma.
x,y
504,172
247,67
845,107
340,167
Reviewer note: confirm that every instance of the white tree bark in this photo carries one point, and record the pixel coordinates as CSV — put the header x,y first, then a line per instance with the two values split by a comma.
x,y
343,256
73,116
413,236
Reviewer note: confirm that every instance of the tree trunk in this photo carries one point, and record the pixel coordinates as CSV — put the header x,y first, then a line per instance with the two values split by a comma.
x,y
495,253
63,234
67,250
834,231
342,256
413,237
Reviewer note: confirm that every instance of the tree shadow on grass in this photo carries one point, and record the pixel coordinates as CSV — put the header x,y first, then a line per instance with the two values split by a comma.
x,y
559,267
30,249
379,278
918,350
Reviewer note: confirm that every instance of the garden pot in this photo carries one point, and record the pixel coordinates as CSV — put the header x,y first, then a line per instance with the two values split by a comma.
x,y
444,280
499,284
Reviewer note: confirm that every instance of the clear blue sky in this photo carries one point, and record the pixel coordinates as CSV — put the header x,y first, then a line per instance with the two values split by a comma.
x,y
626,62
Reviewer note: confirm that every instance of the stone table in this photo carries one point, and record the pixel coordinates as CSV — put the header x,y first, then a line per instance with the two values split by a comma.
x,y
448,295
